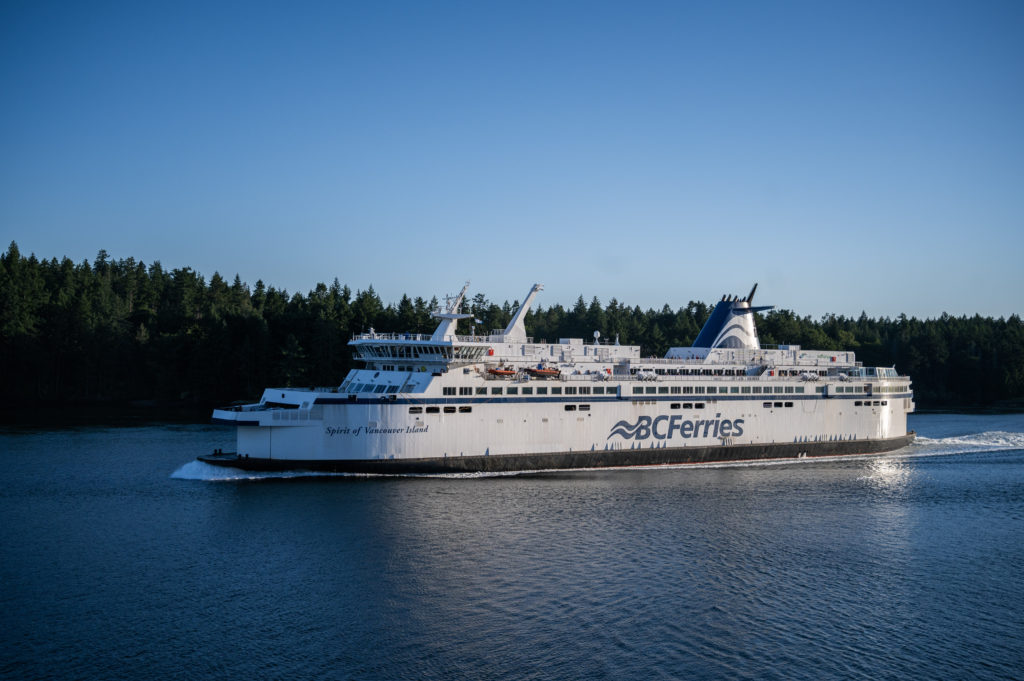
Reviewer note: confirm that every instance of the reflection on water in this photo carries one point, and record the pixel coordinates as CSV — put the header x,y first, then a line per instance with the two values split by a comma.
x,y
904,566
888,474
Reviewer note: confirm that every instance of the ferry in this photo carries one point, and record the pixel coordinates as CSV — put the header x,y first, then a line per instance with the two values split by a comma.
x,y
501,402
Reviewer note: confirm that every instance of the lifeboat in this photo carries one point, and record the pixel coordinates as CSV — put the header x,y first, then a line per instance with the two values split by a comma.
x,y
502,371
541,372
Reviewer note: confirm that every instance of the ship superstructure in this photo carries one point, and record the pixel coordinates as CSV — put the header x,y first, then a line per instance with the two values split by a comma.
x,y
504,402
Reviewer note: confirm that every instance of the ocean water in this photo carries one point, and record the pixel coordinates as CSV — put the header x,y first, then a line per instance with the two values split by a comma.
x,y
122,558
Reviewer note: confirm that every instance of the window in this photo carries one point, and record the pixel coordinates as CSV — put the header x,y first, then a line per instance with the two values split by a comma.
x,y
675,390
542,390
433,410
527,390
449,410
757,390
584,407
789,388
663,390
699,390
481,391
465,391
570,407
745,390
512,391
687,389
651,390
733,389
599,390
495,391
778,405
674,405
415,410
789,404
638,390
556,391
585,390
885,403
570,390
858,403
711,390
698,405
766,405
465,410
380,388
687,405
448,391
799,388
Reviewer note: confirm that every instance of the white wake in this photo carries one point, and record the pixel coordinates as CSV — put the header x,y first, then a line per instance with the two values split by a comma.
x,y
989,441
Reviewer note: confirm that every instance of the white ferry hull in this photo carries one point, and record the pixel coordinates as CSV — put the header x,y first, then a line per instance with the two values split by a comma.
x,y
497,435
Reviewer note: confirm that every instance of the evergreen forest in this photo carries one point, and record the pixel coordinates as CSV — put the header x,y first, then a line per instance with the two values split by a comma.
x,y
121,331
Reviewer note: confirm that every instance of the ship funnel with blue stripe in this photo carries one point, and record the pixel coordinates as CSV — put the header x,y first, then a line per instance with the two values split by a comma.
x,y
731,324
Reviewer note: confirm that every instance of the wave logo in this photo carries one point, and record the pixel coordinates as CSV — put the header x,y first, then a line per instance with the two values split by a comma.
x,y
641,430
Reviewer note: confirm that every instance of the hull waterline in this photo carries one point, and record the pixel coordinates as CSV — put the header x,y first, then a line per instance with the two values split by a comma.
x,y
571,460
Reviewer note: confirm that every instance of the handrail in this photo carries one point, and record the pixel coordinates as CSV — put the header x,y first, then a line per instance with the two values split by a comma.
x,y
389,336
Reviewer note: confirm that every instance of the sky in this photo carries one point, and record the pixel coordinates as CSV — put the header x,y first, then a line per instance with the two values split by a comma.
x,y
847,156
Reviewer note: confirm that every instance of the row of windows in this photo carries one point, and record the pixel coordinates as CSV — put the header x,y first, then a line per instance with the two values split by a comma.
x,y
694,372
567,407
639,402
437,410
534,390
373,388
674,405
469,410
612,390
713,390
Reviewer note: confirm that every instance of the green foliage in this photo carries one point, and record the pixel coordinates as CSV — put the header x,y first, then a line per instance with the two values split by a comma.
x,y
119,330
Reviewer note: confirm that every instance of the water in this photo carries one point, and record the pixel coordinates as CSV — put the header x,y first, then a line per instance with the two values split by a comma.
x,y
122,559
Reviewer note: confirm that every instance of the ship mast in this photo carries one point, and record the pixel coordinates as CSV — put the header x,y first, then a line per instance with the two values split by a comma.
x,y
445,331
516,329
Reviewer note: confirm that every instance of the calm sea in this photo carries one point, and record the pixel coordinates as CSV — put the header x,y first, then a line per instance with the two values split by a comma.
x,y
121,558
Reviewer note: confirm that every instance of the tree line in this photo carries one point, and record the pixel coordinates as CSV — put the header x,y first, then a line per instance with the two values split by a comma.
x,y
121,330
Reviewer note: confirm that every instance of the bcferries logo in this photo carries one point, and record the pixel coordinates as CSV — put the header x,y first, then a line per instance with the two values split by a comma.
x,y
665,428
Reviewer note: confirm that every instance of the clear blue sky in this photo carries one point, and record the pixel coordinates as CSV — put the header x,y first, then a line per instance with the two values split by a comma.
x,y
848,156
